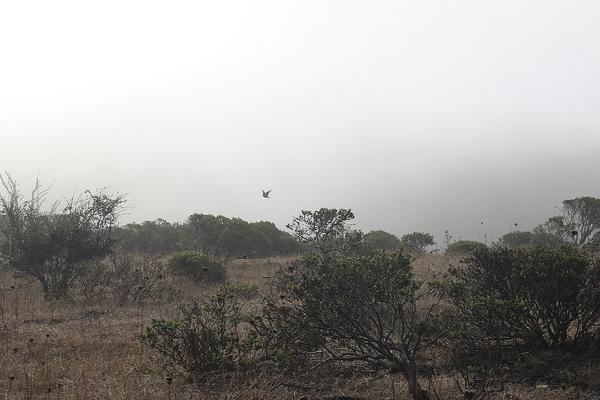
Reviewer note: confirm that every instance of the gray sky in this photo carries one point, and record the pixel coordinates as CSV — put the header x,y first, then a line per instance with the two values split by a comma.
x,y
418,115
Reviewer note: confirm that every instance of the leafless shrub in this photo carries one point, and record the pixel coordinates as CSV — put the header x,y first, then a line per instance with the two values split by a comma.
x,y
55,244
128,278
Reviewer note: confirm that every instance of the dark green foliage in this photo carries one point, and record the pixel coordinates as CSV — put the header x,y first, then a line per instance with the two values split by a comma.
x,y
528,298
539,237
204,339
325,230
207,231
153,237
197,266
227,238
511,306
220,237
464,247
381,240
273,240
282,335
417,242
518,240
356,308
237,239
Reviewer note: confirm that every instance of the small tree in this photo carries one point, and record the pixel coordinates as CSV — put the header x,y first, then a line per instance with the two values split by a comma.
x,y
582,214
417,242
323,230
464,247
579,223
56,244
361,309
381,240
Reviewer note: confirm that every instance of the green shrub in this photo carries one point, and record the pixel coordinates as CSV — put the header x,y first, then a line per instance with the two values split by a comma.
x,y
381,240
197,266
355,308
204,339
517,240
464,247
533,298
282,336
417,242
539,237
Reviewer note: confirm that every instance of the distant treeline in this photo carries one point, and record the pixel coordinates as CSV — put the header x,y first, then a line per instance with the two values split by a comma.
x,y
218,236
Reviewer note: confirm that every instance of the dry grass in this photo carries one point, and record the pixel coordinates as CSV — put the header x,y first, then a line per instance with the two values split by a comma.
x,y
72,351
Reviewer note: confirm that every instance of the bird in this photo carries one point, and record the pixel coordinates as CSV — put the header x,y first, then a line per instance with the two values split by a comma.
x,y
266,194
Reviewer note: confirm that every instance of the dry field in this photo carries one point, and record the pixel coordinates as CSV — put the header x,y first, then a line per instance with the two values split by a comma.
x,y
91,351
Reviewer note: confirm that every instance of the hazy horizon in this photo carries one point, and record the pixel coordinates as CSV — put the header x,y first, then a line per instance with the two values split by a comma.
x,y
419,116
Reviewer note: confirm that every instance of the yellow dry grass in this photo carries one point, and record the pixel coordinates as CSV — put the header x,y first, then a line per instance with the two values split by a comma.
x,y
77,351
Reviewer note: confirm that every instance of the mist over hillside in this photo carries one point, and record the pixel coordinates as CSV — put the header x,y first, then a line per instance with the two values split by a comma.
x,y
300,200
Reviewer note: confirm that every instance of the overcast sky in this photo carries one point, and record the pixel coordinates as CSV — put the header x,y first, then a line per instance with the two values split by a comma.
x,y
419,115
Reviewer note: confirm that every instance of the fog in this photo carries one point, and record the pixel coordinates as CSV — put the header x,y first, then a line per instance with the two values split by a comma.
x,y
420,116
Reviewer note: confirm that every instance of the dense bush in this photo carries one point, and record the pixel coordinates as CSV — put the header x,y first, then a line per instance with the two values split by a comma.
x,y
218,236
538,237
464,247
203,339
417,242
228,238
281,336
157,237
197,266
535,298
273,240
518,240
357,308
381,240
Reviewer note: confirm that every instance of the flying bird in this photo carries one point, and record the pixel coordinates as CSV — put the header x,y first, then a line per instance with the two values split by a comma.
x,y
266,194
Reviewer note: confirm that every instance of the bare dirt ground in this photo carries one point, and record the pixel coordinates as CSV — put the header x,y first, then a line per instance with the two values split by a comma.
x,y
92,351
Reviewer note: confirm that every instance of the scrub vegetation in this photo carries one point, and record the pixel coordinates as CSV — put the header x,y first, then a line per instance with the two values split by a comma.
x,y
221,308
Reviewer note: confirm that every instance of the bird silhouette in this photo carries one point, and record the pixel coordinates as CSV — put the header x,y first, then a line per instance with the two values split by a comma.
x,y
266,194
